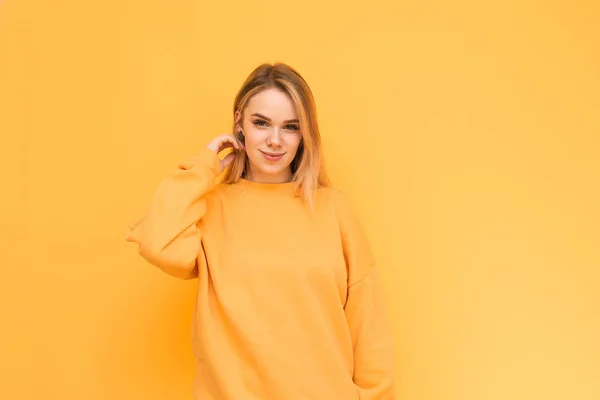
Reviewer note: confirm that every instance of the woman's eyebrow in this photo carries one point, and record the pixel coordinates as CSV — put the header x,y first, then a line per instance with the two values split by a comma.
x,y
269,119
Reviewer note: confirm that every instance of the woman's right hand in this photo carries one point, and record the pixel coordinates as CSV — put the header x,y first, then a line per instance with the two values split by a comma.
x,y
223,142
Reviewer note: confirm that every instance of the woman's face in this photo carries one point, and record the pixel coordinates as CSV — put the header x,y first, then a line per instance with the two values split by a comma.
x,y
271,136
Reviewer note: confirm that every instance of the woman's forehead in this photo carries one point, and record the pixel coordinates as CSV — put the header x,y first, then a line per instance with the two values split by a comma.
x,y
272,104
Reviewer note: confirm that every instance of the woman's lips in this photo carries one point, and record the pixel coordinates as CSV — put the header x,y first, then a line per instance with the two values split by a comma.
x,y
272,156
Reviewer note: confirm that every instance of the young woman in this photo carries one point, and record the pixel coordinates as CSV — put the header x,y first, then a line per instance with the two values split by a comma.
x,y
289,304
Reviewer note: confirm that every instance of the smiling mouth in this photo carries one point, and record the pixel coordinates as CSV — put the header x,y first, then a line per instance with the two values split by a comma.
x,y
272,154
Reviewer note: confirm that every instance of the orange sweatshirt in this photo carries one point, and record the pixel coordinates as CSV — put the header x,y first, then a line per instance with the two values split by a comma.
x,y
289,304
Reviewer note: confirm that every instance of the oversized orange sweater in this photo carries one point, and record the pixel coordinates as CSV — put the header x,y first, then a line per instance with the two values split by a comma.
x,y
289,304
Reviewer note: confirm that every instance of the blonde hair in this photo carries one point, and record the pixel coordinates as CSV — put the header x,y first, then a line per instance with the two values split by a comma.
x,y
308,166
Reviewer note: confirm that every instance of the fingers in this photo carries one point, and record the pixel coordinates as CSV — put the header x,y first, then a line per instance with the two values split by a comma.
x,y
226,145
227,160
225,141
238,145
230,141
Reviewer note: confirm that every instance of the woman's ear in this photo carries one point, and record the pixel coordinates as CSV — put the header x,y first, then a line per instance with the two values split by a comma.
x,y
238,120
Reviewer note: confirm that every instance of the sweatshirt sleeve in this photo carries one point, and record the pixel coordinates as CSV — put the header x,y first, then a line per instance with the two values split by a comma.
x,y
168,235
365,311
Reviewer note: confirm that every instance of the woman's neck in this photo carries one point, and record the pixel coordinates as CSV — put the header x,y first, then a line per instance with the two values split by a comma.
x,y
283,177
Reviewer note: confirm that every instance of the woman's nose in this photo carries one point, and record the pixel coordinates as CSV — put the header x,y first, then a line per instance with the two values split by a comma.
x,y
274,137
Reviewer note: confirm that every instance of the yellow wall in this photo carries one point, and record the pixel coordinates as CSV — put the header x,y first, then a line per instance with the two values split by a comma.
x,y
467,133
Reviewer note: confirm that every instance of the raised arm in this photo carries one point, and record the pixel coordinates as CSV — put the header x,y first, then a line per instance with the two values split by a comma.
x,y
168,234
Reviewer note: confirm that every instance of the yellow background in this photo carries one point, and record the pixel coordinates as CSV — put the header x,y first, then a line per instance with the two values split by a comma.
x,y
466,132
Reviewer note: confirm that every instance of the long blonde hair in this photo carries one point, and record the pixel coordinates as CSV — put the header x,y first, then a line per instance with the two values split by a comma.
x,y
308,166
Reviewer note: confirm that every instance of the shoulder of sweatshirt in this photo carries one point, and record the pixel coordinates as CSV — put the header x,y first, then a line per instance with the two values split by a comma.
x,y
341,202
357,247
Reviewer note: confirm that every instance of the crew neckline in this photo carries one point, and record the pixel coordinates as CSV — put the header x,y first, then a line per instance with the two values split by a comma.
x,y
283,187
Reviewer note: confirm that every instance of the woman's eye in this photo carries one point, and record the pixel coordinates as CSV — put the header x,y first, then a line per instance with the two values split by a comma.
x,y
292,127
